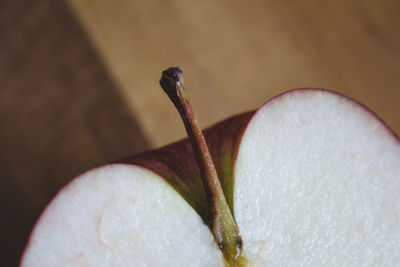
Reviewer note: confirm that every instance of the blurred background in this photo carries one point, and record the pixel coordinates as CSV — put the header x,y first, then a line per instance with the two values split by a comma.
x,y
79,78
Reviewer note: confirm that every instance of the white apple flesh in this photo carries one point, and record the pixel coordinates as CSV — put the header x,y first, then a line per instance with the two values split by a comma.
x,y
316,182
120,215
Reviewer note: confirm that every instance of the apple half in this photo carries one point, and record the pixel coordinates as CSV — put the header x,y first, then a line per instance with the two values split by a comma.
x,y
312,178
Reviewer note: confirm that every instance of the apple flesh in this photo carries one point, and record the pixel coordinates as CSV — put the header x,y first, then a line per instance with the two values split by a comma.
x,y
317,183
311,177
120,215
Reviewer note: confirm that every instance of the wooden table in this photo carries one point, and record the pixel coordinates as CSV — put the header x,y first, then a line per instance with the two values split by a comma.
x,y
79,79
238,54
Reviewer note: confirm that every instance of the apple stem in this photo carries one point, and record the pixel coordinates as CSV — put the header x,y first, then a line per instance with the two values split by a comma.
x,y
223,225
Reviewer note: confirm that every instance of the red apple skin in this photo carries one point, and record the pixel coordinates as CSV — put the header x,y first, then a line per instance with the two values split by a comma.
x,y
177,164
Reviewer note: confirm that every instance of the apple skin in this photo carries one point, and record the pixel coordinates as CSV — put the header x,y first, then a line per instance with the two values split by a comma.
x,y
177,164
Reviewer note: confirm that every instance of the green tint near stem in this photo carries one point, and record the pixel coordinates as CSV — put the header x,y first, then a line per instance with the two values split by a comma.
x,y
225,173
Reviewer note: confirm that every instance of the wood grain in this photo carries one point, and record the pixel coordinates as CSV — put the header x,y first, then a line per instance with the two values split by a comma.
x,y
60,114
238,54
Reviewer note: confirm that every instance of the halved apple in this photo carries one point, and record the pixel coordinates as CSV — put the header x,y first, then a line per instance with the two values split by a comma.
x,y
311,179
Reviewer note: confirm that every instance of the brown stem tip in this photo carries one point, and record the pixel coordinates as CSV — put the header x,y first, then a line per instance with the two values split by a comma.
x,y
170,80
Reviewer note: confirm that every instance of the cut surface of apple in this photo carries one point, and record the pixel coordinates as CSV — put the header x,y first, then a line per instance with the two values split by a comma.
x,y
120,215
312,178
317,183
